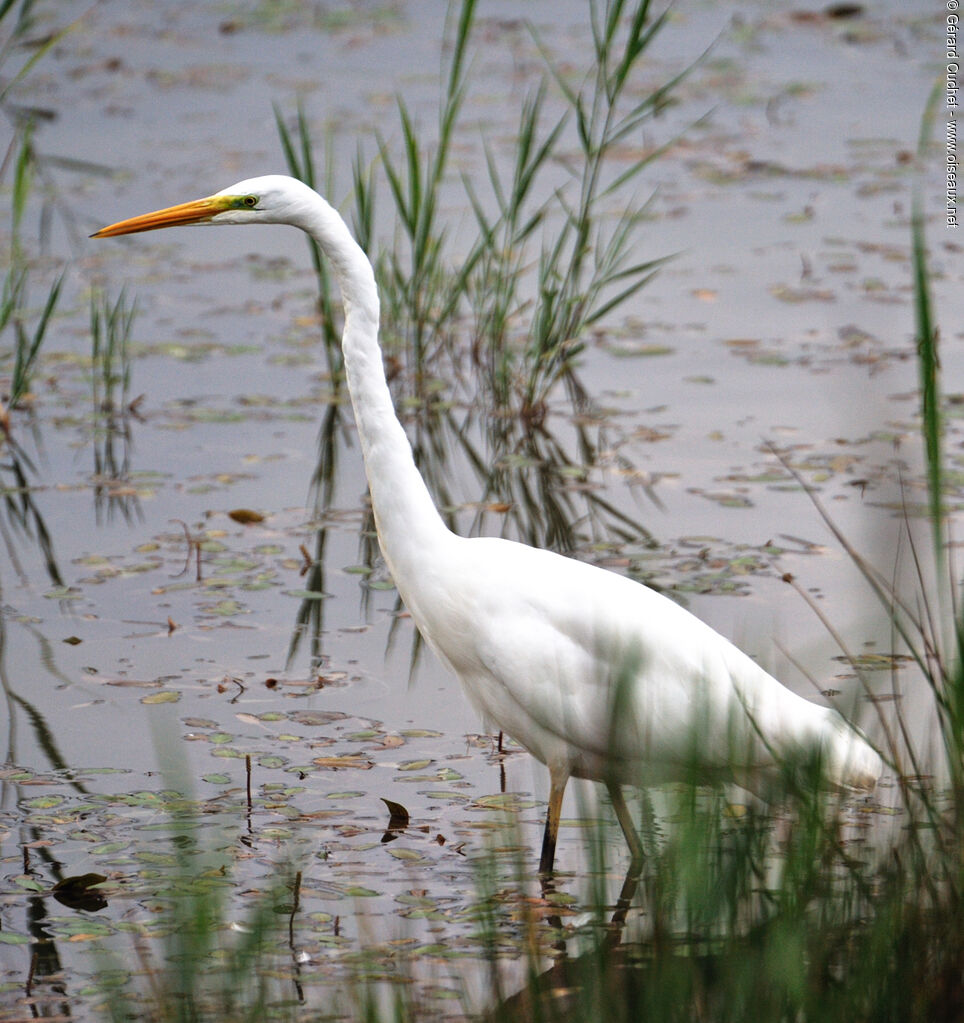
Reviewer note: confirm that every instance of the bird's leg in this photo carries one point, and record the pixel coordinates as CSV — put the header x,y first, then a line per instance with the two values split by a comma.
x,y
626,823
557,788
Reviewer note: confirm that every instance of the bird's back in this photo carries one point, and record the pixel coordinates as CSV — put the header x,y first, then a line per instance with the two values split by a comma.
x,y
588,668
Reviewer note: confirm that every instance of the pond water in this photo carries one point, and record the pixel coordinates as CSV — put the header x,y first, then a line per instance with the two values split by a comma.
x,y
786,316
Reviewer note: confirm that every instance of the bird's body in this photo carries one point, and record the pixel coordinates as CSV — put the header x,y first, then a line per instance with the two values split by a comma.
x,y
596,675
607,679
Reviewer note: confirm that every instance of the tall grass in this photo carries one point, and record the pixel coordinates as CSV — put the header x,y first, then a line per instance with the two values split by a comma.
x,y
25,172
546,263
20,162
209,964
17,316
24,323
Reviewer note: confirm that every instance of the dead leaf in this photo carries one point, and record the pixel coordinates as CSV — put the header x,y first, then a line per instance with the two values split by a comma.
x,y
245,516
390,742
399,815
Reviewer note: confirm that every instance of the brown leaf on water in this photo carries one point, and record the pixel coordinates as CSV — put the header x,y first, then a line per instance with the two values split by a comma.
x,y
245,516
78,892
390,742
845,10
322,815
399,815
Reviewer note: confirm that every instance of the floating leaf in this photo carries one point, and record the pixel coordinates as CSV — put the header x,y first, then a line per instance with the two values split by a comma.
x,y
875,662
245,516
506,801
390,741
399,815
316,717
29,884
108,848
44,802
223,608
786,293
279,834
164,696
350,760
77,892
406,854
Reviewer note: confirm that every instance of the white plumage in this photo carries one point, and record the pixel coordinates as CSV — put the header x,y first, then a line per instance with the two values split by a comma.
x,y
596,675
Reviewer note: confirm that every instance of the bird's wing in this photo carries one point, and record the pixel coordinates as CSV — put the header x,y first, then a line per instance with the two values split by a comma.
x,y
575,661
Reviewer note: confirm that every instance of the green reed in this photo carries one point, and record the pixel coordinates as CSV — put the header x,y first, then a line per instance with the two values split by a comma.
x,y
28,324
541,252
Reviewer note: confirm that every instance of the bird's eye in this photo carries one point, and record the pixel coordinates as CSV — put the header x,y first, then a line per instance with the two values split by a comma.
x,y
250,201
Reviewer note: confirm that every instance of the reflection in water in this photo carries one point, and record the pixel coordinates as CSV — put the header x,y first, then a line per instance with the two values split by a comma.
x,y
566,988
113,493
45,968
310,617
22,520
110,331
22,523
81,892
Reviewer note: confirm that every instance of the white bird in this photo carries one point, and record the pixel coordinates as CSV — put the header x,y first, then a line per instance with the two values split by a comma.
x,y
596,675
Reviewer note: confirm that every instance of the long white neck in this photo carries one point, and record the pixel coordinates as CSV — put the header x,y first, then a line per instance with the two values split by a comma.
x,y
408,523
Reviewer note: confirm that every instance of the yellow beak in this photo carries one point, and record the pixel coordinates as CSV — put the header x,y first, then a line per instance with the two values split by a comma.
x,y
196,212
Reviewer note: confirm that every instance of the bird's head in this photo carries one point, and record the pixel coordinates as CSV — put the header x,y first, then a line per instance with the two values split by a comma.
x,y
272,199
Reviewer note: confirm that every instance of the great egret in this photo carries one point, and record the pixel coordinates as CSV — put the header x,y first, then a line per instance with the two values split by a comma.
x,y
594,674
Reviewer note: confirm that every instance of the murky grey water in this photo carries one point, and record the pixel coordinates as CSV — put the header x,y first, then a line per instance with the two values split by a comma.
x,y
786,315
